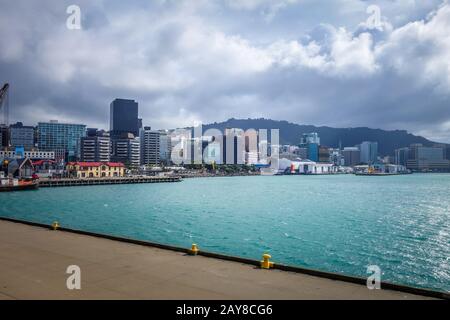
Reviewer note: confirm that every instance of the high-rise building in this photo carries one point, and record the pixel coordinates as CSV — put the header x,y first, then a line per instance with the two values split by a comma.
x,y
165,147
427,158
63,138
401,156
351,156
311,142
233,146
4,136
150,146
369,152
124,117
251,152
126,149
312,137
22,136
96,146
324,154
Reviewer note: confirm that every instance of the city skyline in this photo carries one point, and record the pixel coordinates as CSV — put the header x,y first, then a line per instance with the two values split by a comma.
x,y
210,61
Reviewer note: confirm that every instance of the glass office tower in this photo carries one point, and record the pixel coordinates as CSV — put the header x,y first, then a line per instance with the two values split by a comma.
x,y
61,137
124,117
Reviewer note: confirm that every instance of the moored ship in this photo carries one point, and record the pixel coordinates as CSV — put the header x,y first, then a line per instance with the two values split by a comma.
x,y
18,184
378,170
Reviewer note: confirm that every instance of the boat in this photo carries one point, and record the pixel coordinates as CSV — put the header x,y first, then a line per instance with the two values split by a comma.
x,y
8,185
377,174
381,170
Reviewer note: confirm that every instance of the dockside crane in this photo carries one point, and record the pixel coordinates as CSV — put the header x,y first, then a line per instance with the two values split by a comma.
x,y
4,105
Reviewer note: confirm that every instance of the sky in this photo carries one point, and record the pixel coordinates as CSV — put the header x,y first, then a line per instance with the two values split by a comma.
x,y
321,62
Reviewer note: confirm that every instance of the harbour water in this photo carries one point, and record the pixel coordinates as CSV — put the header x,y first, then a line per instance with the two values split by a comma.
x,y
339,223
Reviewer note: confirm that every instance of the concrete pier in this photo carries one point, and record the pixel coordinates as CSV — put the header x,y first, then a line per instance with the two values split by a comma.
x,y
33,264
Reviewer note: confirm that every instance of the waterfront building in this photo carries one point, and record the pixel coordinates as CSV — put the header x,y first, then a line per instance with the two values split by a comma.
x,y
305,167
233,144
324,154
126,149
124,118
289,156
380,168
200,146
388,160
237,147
313,151
368,152
165,147
48,168
446,148
427,158
95,147
336,157
301,152
22,136
213,153
61,138
95,169
180,153
311,142
401,156
351,156
20,168
150,146
251,152
33,155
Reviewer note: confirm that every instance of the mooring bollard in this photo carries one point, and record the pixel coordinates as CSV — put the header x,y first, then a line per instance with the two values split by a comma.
x,y
55,225
194,250
266,263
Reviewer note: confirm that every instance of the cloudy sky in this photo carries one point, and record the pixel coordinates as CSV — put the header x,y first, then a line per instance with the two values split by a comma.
x,y
318,62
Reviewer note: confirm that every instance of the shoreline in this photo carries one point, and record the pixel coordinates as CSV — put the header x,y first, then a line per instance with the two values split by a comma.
x,y
336,281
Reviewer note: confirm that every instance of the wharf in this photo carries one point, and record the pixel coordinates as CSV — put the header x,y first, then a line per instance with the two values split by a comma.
x,y
47,183
34,260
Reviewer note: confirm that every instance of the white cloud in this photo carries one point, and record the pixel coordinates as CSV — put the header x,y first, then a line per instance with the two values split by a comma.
x,y
420,50
193,60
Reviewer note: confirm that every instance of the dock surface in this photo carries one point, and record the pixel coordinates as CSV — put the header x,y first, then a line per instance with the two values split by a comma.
x,y
33,264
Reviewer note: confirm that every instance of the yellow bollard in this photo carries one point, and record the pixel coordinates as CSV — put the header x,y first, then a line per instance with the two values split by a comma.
x,y
266,264
55,225
194,250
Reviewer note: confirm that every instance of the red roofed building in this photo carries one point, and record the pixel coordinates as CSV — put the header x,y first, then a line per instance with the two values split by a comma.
x,y
47,168
95,169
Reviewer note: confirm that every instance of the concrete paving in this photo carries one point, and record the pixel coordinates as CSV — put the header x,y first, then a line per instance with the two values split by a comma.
x,y
33,264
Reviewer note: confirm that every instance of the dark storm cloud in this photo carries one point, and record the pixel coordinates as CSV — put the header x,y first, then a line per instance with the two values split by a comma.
x,y
187,61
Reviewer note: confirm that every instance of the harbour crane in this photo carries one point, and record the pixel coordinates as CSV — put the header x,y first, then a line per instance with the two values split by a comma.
x,y
4,105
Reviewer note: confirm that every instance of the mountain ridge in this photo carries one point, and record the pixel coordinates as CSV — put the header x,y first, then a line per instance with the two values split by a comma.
x,y
290,133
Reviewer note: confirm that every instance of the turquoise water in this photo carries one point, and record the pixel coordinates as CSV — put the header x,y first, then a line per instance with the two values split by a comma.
x,y
341,223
